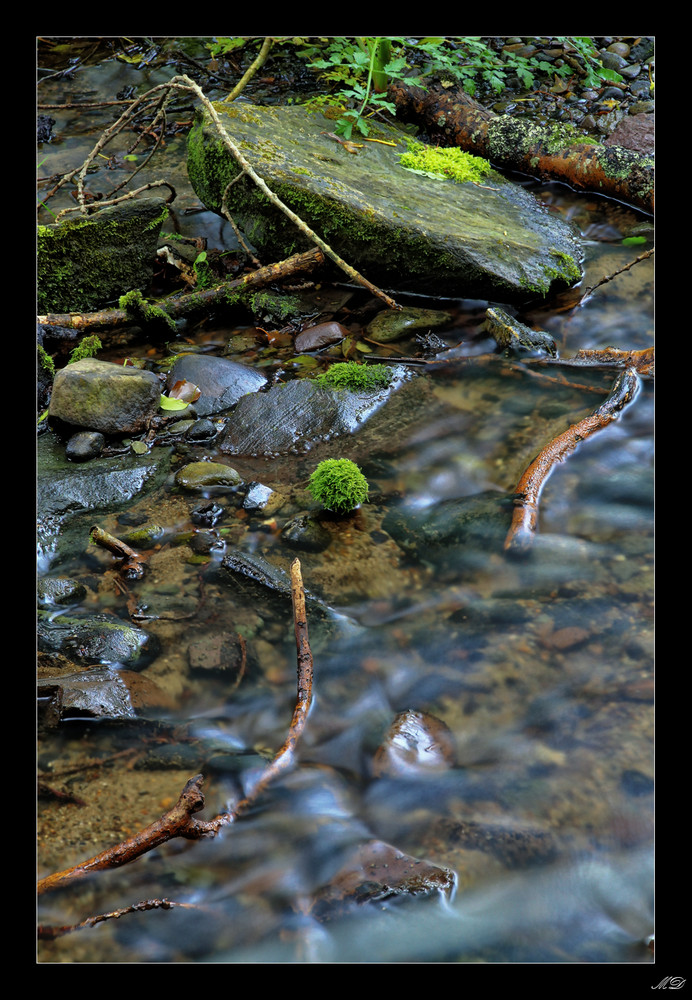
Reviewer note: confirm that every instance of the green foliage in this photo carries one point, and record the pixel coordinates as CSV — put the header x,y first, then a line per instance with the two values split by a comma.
x,y
203,274
595,73
338,484
360,68
45,360
351,375
88,347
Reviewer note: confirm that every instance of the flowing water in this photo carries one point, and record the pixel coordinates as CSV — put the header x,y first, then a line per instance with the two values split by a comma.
x,y
540,668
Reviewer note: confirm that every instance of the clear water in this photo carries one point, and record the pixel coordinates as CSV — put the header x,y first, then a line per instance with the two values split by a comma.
x,y
541,669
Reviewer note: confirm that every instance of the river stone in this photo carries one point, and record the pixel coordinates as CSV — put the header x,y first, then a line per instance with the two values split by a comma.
x,y
399,228
390,324
87,261
84,445
97,639
203,475
99,693
102,396
221,382
290,418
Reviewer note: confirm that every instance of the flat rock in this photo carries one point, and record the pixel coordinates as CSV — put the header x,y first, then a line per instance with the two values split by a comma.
x,y
400,229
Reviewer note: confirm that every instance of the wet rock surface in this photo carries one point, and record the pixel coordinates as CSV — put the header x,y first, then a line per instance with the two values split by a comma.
x,y
222,382
101,396
491,241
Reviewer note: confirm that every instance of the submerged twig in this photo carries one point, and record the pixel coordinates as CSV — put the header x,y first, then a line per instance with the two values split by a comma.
x,y
179,820
609,277
528,491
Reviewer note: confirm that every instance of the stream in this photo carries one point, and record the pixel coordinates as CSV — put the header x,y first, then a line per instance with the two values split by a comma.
x,y
540,669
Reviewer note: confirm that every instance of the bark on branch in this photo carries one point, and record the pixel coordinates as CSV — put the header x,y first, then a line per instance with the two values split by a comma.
x,y
179,821
185,305
528,491
550,152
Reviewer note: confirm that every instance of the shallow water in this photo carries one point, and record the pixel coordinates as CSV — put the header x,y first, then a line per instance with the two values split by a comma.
x,y
542,670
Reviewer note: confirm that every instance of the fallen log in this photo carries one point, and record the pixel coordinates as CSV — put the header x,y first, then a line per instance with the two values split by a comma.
x,y
191,302
550,152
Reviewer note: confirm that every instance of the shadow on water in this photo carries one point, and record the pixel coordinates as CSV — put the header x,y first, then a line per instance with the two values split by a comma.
x,y
540,669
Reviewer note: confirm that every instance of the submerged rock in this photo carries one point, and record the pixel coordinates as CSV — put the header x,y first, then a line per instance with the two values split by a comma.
x,y
401,229
391,324
97,639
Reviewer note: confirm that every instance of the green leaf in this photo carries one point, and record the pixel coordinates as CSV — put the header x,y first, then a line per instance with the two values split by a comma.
x,y
169,403
633,241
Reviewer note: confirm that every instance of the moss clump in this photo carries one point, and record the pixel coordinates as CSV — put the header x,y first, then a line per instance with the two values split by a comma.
x,y
450,162
88,347
338,484
358,378
45,361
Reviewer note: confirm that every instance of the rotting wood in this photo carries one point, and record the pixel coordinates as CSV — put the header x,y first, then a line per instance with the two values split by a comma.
x,y
179,821
527,494
519,144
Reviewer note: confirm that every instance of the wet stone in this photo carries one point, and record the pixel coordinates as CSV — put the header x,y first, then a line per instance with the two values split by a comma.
x,y
59,590
98,639
84,445
306,534
202,475
415,743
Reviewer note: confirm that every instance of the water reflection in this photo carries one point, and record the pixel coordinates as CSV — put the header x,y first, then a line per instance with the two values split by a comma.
x,y
541,670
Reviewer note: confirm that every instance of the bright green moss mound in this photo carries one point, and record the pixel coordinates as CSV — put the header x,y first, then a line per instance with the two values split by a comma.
x,y
450,162
338,484
351,375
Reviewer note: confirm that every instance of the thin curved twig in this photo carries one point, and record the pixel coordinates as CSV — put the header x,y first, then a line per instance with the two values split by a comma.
x,y
179,820
528,491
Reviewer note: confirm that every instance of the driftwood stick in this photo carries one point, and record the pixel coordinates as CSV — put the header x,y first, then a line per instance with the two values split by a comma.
x,y
528,491
179,820
133,565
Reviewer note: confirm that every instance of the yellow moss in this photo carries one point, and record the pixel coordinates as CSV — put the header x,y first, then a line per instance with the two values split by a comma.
x,y
448,162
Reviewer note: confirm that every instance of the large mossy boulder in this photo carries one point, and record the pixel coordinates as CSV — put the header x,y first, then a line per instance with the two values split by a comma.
x,y
86,262
401,229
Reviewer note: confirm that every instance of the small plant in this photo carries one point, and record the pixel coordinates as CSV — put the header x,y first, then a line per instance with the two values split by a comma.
x,y
45,360
86,348
358,378
339,485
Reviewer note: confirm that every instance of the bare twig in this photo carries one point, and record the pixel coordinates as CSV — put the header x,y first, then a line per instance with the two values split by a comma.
x,y
609,277
250,72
